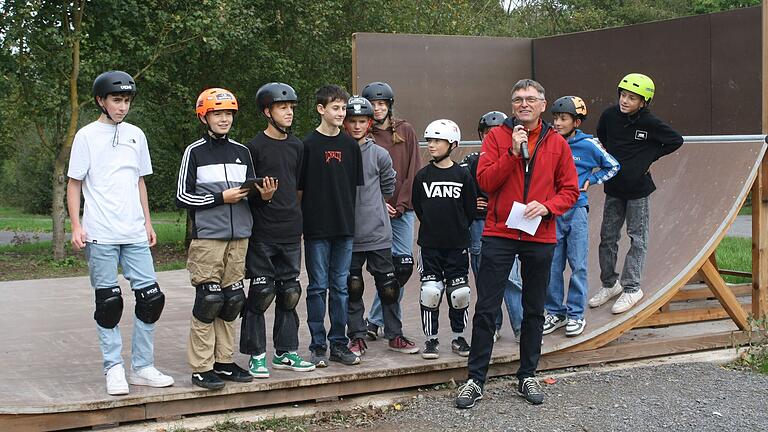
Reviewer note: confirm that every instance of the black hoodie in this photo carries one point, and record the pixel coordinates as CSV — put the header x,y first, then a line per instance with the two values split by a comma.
x,y
636,141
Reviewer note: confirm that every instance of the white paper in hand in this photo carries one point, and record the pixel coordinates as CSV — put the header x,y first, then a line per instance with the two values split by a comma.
x,y
516,220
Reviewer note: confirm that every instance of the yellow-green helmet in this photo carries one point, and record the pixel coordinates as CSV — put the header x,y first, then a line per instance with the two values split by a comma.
x,y
640,84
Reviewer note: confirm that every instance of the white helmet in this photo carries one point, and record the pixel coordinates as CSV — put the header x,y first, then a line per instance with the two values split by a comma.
x,y
443,129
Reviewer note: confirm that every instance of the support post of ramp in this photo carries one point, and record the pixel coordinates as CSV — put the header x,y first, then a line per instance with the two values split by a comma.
x,y
759,199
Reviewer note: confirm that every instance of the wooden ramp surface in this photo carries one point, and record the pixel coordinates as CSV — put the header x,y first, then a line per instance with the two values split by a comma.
x,y
52,364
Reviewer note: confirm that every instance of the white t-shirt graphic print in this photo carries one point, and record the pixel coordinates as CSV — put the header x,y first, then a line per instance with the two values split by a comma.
x,y
109,166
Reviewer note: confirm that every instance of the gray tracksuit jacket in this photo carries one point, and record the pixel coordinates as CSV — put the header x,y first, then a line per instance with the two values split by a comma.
x,y
372,228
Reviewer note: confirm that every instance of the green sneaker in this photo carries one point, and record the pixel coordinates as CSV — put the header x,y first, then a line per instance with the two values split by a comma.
x,y
292,361
257,366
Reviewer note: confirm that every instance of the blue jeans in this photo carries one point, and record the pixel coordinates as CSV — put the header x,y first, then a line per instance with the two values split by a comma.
x,y
138,269
573,246
402,244
513,298
328,262
475,244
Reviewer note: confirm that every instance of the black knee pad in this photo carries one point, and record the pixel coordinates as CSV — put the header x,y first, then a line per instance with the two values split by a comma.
x,y
208,302
261,293
387,287
149,303
109,307
234,300
403,268
355,286
288,294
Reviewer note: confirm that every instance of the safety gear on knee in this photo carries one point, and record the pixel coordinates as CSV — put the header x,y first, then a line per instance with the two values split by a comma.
x,y
458,293
431,292
109,307
261,294
387,287
403,268
234,300
149,303
208,302
355,286
288,294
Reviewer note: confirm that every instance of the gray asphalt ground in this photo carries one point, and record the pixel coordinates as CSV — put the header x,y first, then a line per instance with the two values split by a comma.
x,y
674,397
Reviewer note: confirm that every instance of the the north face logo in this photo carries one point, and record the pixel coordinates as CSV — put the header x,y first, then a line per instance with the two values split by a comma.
x,y
238,160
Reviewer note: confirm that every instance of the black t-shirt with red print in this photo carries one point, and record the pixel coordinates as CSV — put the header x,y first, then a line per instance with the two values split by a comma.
x,y
331,171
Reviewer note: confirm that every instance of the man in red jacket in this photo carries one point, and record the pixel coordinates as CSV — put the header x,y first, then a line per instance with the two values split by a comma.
x,y
526,161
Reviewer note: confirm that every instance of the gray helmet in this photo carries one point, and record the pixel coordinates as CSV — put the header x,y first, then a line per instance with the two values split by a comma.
x,y
274,92
359,106
113,82
379,91
491,119
572,105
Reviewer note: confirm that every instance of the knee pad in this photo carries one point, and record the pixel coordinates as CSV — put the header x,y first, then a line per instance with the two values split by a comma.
x,y
208,302
431,292
288,294
149,303
234,300
387,287
355,286
109,307
260,294
403,268
458,293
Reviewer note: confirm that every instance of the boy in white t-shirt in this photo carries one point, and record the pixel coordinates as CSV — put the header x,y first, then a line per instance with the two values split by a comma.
x,y
108,162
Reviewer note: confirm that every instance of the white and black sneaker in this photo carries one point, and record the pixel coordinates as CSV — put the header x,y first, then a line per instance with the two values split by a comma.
x,y
460,346
469,393
431,349
553,322
575,327
207,380
530,389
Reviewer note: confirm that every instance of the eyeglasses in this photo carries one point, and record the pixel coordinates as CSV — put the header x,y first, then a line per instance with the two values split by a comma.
x,y
530,100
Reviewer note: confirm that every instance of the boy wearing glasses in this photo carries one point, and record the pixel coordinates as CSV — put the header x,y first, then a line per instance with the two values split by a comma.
x,y
526,162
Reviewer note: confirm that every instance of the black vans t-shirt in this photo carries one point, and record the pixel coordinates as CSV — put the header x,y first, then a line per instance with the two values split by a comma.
x,y
280,221
331,171
444,200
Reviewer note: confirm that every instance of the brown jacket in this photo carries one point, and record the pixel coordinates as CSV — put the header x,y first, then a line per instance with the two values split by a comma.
x,y
405,159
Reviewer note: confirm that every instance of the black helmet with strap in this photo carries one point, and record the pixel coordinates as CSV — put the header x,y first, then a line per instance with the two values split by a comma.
x,y
272,93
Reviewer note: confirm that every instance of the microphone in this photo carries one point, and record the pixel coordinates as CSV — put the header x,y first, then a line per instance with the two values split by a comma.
x,y
523,145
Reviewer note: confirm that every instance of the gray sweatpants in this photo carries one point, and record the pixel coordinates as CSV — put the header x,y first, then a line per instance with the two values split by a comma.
x,y
636,214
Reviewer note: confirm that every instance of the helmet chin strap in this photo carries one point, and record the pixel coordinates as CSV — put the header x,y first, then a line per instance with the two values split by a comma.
x,y
285,131
439,159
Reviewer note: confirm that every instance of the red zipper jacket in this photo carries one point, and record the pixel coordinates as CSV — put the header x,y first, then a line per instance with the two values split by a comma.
x,y
550,179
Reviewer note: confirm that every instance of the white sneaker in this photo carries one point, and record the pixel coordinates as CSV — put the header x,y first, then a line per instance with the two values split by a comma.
x,y
605,294
575,327
626,301
116,384
149,376
496,335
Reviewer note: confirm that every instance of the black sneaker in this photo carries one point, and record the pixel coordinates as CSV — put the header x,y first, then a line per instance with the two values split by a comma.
x,y
208,380
232,372
460,346
431,349
341,353
371,330
469,393
530,389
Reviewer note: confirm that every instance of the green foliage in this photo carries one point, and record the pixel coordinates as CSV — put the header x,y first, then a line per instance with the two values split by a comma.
x,y
735,253
177,48
755,356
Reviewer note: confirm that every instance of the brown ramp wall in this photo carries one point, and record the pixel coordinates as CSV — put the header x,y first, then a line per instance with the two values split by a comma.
x,y
454,77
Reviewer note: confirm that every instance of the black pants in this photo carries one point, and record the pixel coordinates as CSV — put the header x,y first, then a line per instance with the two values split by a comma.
x,y
445,264
379,264
281,262
498,254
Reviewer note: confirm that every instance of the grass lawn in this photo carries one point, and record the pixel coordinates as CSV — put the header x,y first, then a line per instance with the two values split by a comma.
x,y
735,253
28,260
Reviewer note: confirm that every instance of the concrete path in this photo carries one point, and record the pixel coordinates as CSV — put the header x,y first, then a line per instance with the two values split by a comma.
x,y
742,227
